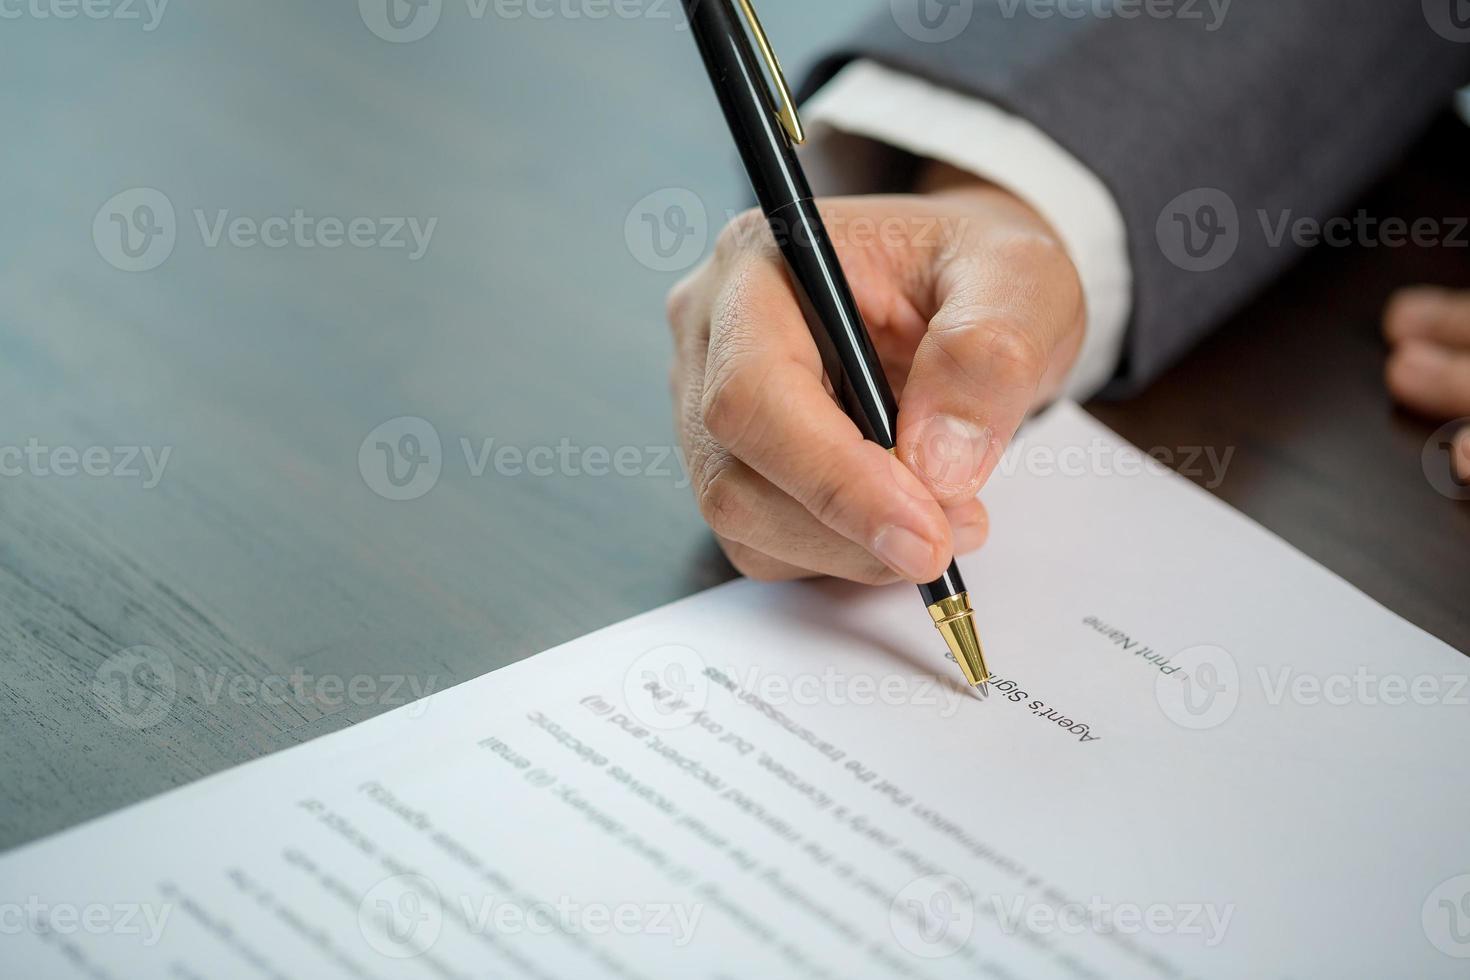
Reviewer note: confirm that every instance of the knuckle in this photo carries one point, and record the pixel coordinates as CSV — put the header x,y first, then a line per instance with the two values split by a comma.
x,y
1013,357
722,501
729,403
745,232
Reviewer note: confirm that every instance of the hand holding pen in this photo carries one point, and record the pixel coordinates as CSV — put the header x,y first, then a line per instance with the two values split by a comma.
x,y
974,312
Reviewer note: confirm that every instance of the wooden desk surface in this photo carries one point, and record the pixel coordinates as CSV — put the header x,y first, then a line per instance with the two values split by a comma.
x,y
266,590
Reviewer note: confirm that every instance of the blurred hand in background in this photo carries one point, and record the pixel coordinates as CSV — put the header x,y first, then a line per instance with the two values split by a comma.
x,y
1428,371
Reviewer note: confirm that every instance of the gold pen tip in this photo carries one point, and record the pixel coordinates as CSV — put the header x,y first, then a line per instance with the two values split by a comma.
x,y
955,621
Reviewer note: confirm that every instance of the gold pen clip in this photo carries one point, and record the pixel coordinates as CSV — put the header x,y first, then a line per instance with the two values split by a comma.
x,y
786,112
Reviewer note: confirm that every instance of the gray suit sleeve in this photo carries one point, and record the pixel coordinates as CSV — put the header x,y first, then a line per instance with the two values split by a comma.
x,y
1210,125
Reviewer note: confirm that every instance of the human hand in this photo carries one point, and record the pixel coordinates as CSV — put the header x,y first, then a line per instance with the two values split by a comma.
x,y
977,314
1429,367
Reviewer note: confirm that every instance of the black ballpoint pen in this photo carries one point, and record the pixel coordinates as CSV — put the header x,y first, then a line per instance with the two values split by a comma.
x,y
767,129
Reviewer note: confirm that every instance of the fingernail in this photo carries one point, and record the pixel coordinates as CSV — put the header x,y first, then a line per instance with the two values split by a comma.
x,y
951,452
1462,455
904,551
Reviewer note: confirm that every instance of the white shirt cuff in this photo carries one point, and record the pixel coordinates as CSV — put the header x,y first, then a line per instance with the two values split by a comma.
x,y
876,103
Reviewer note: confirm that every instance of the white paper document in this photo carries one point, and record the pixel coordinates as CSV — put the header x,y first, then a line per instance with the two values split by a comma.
x,y
1205,756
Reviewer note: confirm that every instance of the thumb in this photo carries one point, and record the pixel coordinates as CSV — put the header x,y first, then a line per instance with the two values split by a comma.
x,y
1009,325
